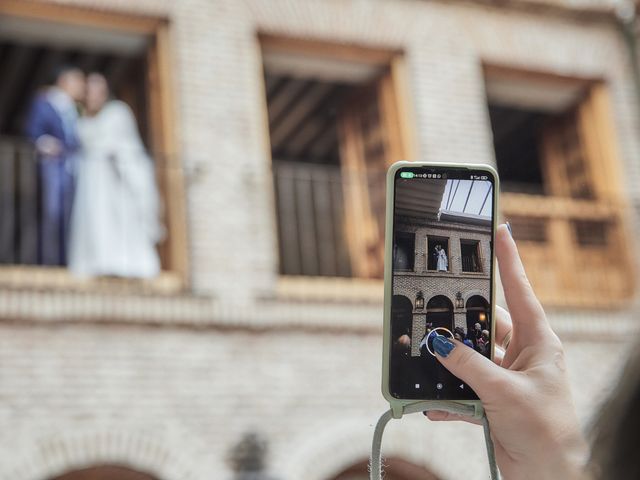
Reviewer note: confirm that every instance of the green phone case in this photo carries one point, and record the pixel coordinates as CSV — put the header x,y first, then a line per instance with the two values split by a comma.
x,y
398,406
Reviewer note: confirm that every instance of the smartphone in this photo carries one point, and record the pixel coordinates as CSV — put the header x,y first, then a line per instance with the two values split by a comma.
x,y
439,274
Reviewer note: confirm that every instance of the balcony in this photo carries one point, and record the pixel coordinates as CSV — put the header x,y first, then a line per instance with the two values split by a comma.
x,y
20,225
574,250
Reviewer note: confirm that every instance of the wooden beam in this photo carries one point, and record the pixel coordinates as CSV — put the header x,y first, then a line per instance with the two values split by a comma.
x,y
342,51
168,121
46,11
315,122
515,74
286,98
404,100
542,206
295,116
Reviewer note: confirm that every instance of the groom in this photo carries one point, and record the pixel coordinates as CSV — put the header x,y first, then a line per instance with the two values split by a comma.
x,y
51,126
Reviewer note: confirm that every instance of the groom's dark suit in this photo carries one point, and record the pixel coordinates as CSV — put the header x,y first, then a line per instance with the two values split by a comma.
x,y
55,176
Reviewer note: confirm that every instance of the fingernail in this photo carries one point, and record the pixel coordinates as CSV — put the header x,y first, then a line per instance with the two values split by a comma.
x,y
509,228
442,345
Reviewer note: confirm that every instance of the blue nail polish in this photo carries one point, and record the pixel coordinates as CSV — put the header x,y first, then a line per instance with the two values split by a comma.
x,y
509,228
442,345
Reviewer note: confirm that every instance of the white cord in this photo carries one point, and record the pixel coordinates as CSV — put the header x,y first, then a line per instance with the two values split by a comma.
x,y
375,468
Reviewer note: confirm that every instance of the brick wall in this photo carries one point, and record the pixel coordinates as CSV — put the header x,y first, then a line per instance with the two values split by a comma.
x,y
172,396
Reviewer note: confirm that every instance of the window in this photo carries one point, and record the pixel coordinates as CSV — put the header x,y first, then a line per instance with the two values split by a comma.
x,y
334,126
470,253
555,150
516,142
436,260
133,55
404,251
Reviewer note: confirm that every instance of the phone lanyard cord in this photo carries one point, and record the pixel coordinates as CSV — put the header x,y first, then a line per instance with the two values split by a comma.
x,y
375,467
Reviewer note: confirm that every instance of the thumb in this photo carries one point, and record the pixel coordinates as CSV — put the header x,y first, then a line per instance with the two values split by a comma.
x,y
474,369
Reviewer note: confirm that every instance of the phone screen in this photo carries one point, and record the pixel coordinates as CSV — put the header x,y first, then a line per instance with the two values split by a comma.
x,y
442,266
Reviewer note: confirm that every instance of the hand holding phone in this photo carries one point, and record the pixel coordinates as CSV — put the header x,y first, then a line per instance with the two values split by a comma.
x,y
525,390
438,275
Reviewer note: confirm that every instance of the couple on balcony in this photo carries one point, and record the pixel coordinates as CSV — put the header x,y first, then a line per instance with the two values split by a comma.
x,y
99,206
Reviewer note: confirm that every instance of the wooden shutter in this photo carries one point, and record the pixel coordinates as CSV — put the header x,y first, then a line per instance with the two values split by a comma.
x,y
564,159
586,243
370,140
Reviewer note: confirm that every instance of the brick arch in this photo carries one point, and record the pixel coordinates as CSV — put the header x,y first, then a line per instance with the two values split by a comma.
x,y
449,297
474,293
57,455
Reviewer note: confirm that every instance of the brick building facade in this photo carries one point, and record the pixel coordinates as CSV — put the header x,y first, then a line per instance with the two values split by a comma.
x,y
456,285
166,378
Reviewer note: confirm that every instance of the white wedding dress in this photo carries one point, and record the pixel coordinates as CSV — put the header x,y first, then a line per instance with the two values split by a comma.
x,y
443,262
115,223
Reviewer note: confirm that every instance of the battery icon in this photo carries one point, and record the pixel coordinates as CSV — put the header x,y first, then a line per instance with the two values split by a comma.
x,y
407,174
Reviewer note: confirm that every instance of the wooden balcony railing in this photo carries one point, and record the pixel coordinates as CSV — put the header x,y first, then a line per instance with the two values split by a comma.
x,y
18,203
20,220
310,215
575,251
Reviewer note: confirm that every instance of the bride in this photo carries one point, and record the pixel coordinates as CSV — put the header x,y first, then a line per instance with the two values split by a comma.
x,y
442,260
115,223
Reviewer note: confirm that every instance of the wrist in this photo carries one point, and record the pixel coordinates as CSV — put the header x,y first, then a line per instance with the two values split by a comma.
x,y
571,457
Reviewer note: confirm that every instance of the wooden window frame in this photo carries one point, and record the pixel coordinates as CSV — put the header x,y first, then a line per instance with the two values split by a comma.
x,y
323,287
163,127
561,286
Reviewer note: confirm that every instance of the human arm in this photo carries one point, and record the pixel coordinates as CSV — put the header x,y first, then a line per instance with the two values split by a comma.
x,y
525,390
38,129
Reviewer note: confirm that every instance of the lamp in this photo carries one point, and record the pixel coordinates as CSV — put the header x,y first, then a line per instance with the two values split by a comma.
x,y
459,300
419,300
482,317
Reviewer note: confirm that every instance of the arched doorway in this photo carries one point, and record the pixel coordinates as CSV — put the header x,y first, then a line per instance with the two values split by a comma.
x,y
105,472
440,312
433,377
401,331
401,316
477,312
395,469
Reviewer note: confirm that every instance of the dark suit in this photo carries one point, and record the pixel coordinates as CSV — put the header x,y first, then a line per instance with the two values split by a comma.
x,y
56,180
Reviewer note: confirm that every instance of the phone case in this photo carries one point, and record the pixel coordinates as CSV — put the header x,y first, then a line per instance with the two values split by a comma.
x,y
398,405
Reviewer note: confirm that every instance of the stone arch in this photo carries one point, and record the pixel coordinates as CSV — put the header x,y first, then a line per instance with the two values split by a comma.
x,y
60,453
395,469
105,472
327,447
